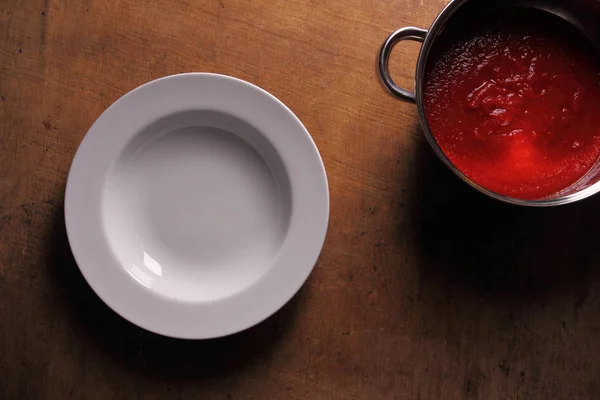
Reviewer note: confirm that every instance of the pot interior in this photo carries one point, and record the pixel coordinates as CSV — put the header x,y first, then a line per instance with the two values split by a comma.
x,y
584,15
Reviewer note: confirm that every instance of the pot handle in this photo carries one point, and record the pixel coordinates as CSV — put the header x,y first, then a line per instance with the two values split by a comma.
x,y
406,33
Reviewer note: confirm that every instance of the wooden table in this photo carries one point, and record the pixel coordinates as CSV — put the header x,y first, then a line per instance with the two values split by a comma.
x,y
424,290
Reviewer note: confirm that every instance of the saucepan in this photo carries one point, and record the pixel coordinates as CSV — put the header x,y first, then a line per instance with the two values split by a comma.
x,y
583,14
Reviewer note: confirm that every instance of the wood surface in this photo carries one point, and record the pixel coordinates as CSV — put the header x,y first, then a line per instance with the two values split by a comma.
x,y
424,290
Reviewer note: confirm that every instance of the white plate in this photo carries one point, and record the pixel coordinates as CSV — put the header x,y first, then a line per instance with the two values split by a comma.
x,y
196,205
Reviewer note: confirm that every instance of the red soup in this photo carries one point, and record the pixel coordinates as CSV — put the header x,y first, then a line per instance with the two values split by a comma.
x,y
514,102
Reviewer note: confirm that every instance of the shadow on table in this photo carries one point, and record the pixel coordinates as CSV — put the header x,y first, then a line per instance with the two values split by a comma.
x,y
159,356
502,252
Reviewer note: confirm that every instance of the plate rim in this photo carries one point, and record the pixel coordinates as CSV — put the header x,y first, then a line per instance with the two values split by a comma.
x,y
138,304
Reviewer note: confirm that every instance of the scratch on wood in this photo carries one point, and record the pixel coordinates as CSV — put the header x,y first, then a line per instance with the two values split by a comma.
x,y
28,212
43,30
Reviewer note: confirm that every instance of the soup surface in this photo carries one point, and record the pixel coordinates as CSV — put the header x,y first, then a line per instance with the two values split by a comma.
x,y
514,102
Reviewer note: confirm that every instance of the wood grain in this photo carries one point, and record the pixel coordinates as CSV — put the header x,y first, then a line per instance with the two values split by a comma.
x,y
424,290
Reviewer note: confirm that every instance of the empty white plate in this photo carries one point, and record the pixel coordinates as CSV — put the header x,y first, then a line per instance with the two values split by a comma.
x,y
196,205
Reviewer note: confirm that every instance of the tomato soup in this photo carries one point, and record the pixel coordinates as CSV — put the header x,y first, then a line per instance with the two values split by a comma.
x,y
514,102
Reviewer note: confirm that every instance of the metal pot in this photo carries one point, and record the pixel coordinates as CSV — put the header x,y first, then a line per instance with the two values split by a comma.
x,y
583,14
